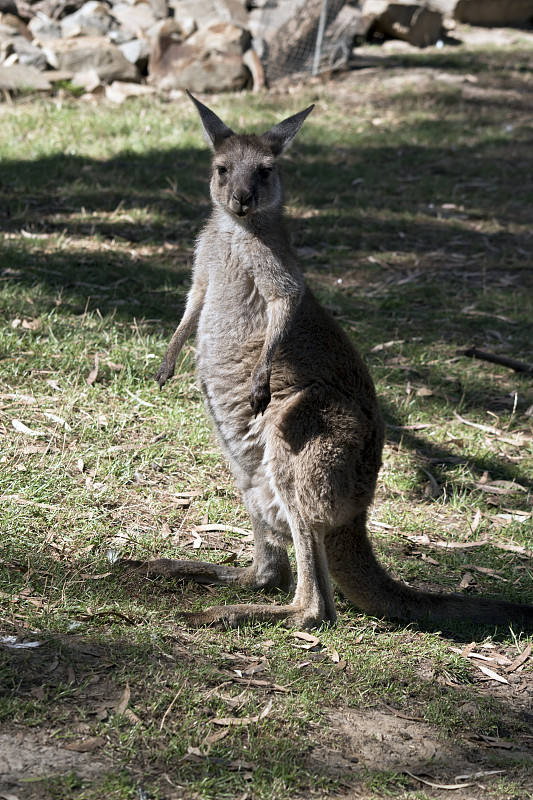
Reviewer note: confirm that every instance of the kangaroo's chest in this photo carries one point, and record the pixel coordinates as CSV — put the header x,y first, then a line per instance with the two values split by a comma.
x,y
229,338
234,315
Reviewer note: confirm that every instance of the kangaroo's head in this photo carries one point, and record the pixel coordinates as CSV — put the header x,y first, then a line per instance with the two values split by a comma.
x,y
246,178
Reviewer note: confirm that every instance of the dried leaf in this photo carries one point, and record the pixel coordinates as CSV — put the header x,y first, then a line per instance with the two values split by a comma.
x,y
216,737
165,531
21,428
215,527
266,710
197,540
30,324
169,709
467,580
475,522
263,684
524,655
518,516
59,420
465,652
486,428
306,637
437,785
514,548
491,674
485,571
114,367
476,775
228,721
133,718
385,345
402,714
255,668
500,487
93,374
139,399
125,699
86,745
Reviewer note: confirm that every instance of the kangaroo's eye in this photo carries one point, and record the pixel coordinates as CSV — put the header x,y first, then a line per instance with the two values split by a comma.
x,y
221,170
264,172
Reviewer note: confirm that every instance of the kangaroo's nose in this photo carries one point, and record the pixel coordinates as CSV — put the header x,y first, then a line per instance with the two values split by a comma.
x,y
241,202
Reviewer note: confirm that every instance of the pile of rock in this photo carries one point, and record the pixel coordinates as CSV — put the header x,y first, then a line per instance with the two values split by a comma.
x,y
207,45
170,44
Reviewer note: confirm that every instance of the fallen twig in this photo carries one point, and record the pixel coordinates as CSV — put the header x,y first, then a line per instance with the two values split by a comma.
x,y
503,361
447,786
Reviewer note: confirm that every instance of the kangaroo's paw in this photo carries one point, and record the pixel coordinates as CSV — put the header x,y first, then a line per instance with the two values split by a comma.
x,y
164,373
259,398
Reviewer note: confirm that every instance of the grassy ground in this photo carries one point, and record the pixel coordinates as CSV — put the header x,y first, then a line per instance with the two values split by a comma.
x,y
410,190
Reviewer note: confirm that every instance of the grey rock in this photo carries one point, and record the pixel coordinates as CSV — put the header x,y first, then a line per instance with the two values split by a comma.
x,y
137,51
18,77
11,25
410,22
181,65
494,12
134,18
221,37
92,19
159,8
207,12
42,27
86,52
28,54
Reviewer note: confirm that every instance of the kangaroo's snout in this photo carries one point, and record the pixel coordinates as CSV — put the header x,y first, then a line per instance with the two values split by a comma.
x,y
242,202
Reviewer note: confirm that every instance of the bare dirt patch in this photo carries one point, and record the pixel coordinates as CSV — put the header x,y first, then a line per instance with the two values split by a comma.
x,y
362,742
29,757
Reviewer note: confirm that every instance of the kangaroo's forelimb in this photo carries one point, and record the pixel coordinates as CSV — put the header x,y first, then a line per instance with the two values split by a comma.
x,y
186,327
280,311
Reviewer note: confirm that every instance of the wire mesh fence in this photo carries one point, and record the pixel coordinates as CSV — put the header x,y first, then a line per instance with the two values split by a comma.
x,y
303,37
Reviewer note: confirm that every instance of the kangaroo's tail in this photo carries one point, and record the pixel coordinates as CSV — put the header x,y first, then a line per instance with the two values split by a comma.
x,y
368,586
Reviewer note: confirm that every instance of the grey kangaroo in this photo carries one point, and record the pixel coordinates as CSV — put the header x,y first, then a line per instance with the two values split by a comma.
x,y
294,408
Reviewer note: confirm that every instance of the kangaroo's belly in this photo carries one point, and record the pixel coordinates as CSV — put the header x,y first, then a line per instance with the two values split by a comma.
x,y
224,367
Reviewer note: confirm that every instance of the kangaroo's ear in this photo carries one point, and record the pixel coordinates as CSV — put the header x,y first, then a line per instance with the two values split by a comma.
x,y
215,131
281,135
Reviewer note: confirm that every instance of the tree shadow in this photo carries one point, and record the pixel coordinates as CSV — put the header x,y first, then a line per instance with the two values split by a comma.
x,y
365,201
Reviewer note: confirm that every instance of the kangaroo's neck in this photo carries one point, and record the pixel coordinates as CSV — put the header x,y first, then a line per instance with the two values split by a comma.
x,y
259,231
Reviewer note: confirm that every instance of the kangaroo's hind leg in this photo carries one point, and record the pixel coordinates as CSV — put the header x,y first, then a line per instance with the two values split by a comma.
x,y
270,568
312,604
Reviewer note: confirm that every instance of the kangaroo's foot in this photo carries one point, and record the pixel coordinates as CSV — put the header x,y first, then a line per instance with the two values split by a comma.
x,y
252,577
292,615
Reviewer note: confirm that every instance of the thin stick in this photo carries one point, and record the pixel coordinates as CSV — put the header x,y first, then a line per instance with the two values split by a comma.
x,y
169,709
503,361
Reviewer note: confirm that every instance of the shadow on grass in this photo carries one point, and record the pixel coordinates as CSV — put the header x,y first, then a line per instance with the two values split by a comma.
x,y
87,674
374,199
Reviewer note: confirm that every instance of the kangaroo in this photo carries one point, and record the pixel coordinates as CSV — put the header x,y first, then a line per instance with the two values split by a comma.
x,y
294,408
